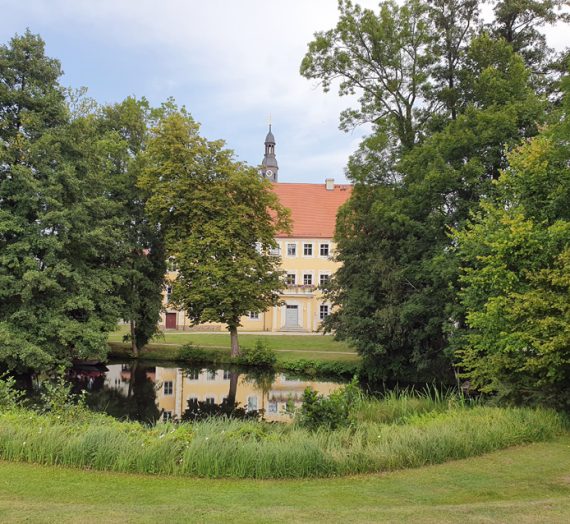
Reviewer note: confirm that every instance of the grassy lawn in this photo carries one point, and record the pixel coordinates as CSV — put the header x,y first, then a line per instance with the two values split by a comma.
x,y
527,484
288,347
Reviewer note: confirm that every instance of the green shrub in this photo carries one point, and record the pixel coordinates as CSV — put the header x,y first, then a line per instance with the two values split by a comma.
x,y
190,353
330,412
260,355
10,396
313,368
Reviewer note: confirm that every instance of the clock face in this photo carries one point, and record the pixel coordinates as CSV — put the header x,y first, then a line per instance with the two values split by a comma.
x,y
269,173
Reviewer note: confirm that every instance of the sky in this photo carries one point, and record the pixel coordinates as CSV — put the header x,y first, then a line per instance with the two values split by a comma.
x,y
231,63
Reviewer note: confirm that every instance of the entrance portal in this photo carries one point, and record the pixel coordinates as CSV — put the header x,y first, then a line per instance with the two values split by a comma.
x,y
292,316
170,320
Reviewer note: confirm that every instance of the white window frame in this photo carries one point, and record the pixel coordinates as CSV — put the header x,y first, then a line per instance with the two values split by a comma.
x,y
294,246
328,244
292,274
309,274
322,274
209,376
321,316
210,399
171,383
305,244
249,403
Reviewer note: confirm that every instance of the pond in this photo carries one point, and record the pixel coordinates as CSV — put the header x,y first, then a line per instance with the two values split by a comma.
x,y
146,392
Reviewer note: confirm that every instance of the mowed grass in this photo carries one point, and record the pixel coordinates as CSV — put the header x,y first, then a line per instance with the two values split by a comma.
x,y
526,484
289,348
320,343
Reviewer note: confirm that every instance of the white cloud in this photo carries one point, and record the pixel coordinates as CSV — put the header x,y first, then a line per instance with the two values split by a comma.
x,y
231,62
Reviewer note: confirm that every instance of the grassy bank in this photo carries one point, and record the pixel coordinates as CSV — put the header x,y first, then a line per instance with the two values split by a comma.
x,y
527,484
302,363
381,439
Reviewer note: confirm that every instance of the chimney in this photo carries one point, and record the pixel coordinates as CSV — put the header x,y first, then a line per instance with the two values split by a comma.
x,y
329,184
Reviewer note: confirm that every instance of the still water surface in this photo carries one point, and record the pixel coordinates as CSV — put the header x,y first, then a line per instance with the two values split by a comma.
x,y
148,393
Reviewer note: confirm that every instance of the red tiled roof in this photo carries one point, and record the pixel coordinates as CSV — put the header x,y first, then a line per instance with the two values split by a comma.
x,y
313,207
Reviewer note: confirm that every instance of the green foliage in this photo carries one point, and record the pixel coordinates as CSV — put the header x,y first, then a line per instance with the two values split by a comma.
x,y
125,127
396,291
329,368
59,235
220,220
331,411
191,353
57,399
248,449
515,284
10,396
260,355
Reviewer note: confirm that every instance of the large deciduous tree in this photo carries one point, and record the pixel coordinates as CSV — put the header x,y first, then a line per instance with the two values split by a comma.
x,y
59,240
219,220
515,256
126,127
396,290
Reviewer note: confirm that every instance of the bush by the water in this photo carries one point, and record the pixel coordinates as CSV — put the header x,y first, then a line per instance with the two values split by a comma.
x,y
331,411
260,355
399,438
190,353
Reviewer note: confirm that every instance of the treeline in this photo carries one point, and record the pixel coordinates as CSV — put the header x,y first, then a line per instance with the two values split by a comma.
x,y
455,245
93,201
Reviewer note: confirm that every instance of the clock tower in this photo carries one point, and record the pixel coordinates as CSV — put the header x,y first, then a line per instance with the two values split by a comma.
x,y
269,167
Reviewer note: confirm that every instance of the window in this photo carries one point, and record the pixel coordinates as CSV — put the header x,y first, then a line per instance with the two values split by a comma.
x,y
308,279
166,416
272,407
290,279
193,374
192,403
168,293
210,400
211,374
275,251
227,374
324,250
253,315
308,250
171,264
323,311
324,280
291,250
167,387
252,403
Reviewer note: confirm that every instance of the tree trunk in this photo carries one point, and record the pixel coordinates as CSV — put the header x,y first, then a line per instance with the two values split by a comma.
x,y
234,341
134,347
233,388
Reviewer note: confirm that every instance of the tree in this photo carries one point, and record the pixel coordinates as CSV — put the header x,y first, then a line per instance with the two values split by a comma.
x,y
515,276
386,58
127,126
517,21
395,291
59,241
219,220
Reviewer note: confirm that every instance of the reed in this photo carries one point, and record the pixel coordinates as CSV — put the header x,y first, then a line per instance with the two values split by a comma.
x,y
399,431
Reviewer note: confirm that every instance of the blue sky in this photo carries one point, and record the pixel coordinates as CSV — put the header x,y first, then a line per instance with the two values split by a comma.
x,y
231,63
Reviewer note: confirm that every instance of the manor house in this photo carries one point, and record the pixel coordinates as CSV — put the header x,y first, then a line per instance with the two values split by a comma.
x,y
306,255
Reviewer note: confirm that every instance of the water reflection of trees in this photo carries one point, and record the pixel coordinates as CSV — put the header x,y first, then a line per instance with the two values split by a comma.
x,y
138,403
200,410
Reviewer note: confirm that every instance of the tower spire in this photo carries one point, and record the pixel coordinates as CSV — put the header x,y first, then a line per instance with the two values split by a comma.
x,y
269,167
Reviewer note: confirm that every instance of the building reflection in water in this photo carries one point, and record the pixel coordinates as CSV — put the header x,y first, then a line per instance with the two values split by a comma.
x,y
193,393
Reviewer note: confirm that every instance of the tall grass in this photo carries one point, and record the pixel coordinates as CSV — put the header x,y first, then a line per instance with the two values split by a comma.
x,y
393,433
